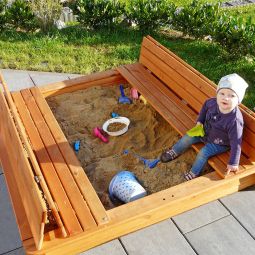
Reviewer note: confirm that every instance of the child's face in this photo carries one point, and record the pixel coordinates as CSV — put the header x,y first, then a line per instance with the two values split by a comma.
x,y
227,100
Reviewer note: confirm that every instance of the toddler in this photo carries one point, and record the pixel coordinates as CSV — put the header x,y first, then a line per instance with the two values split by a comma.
x,y
222,124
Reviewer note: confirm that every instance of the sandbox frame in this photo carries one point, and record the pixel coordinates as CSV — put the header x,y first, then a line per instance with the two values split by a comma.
x,y
135,215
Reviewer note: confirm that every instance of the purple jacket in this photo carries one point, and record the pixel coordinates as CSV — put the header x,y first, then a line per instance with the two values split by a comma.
x,y
223,129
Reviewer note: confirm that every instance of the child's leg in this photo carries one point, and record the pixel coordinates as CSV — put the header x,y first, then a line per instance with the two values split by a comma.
x,y
209,150
185,143
182,145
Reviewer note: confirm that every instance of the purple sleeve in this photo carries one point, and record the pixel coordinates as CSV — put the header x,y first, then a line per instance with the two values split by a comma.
x,y
235,138
202,113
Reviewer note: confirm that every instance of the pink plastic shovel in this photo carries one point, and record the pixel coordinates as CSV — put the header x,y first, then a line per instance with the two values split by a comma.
x,y
98,132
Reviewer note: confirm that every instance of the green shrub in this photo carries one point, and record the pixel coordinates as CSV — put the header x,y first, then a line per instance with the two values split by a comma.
x,y
149,14
235,34
3,4
99,13
196,19
46,12
20,15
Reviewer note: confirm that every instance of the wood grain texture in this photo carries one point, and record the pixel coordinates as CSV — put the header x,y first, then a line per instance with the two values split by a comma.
x,y
19,167
59,195
106,78
86,188
19,210
75,197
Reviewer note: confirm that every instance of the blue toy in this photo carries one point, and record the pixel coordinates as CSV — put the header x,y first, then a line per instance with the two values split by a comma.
x,y
147,162
114,115
123,99
76,145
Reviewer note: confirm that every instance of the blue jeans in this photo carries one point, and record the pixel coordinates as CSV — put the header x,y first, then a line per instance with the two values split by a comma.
x,y
209,150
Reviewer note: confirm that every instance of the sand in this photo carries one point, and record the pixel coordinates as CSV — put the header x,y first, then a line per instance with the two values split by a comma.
x,y
148,135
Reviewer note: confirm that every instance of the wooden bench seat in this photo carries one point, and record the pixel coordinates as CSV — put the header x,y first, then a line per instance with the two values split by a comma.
x,y
177,91
44,137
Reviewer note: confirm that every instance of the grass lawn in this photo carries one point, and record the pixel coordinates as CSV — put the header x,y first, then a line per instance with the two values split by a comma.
x,y
244,11
75,50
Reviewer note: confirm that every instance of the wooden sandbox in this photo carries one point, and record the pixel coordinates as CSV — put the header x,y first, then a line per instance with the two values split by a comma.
x,y
56,207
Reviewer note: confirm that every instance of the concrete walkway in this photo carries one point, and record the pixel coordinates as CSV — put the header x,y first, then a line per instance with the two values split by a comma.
x,y
225,226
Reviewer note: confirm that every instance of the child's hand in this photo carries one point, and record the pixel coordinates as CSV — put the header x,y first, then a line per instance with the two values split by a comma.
x,y
231,168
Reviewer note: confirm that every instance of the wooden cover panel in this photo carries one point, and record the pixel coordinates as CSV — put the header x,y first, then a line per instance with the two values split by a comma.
x,y
86,188
79,204
66,211
19,168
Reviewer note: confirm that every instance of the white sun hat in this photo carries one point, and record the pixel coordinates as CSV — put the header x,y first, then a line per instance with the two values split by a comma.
x,y
234,82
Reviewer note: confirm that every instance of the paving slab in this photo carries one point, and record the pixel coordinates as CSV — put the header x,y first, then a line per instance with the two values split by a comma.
x,y
242,207
162,239
19,251
17,80
223,237
44,78
9,234
112,248
200,216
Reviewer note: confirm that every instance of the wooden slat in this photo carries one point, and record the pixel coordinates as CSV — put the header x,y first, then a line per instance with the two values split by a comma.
x,y
19,210
182,62
20,169
180,67
77,171
249,137
179,90
106,78
66,178
148,93
58,193
151,60
179,109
